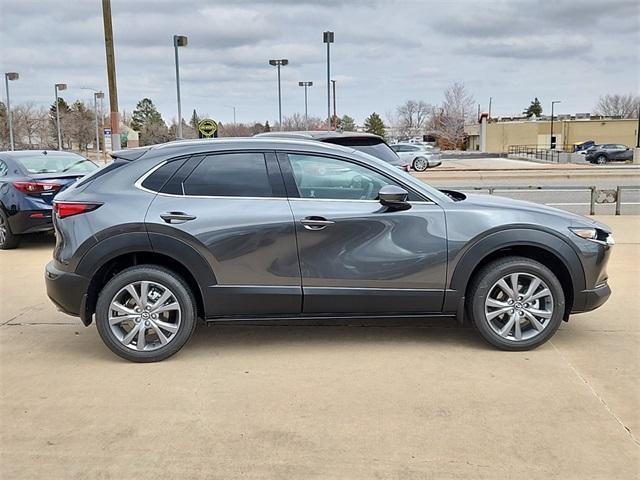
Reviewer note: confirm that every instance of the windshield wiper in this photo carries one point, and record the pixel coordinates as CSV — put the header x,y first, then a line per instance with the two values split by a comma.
x,y
74,164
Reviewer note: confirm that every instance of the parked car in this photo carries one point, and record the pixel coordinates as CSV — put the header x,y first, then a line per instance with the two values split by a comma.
x,y
29,180
582,147
364,142
420,156
268,228
609,152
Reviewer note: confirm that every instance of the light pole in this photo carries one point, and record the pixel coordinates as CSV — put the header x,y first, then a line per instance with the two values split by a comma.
x,y
553,141
179,41
10,76
234,112
279,63
59,87
335,115
327,37
96,95
306,85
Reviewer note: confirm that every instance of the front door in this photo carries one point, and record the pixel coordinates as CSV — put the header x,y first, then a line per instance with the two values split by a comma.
x,y
232,208
355,255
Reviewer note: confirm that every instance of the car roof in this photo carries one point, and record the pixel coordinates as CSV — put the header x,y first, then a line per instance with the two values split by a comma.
x,y
30,153
181,147
319,135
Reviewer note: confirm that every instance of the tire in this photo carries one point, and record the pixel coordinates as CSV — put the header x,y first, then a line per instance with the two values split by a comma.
x,y
487,299
420,164
8,239
601,160
164,334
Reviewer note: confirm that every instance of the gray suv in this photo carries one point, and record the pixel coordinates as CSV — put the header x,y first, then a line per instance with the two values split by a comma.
x,y
267,228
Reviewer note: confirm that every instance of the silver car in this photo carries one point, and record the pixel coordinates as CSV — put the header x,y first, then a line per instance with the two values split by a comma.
x,y
419,156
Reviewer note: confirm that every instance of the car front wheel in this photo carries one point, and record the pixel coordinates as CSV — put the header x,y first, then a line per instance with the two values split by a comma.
x,y
601,160
420,164
516,303
145,313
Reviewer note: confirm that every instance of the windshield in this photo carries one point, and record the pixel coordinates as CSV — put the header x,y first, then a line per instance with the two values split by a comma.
x,y
41,163
372,146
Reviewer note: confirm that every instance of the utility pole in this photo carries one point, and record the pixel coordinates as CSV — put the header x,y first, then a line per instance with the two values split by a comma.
x,y
327,38
10,76
306,109
335,116
59,86
111,74
553,140
179,41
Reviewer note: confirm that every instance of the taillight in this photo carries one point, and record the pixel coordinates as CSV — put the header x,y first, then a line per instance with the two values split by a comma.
x,y
68,209
37,187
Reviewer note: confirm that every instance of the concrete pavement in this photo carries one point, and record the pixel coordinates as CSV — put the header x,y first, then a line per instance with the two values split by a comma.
x,y
414,401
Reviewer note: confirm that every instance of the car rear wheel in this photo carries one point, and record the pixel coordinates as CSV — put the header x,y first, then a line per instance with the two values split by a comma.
x,y
145,314
516,303
601,160
8,239
420,164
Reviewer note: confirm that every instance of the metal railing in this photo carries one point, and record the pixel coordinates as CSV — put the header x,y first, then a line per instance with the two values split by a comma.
x,y
535,152
606,196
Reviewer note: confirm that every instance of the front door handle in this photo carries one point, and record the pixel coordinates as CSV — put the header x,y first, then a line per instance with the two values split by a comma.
x,y
177,217
316,223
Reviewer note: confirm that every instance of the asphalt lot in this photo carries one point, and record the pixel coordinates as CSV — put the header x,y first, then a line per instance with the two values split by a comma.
x,y
411,401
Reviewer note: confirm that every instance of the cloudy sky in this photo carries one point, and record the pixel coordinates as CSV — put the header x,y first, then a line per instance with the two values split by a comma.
x,y
385,52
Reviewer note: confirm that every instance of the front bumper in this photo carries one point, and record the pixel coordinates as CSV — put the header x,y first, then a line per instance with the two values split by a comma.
x,y
588,300
68,291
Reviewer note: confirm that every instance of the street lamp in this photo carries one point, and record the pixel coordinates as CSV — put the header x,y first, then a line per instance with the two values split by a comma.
x,y
327,38
553,140
179,41
10,76
59,87
279,63
335,115
96,95
306,85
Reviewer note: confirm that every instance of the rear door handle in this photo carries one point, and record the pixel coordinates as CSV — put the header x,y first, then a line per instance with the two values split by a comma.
x,y
316,223
177,217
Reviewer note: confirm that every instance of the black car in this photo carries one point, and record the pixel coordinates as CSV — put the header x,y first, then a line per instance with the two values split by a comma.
x,y
29,180
608,152
361,141
268,228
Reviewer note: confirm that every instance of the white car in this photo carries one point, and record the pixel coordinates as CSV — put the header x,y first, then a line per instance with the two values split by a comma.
x,y
419,156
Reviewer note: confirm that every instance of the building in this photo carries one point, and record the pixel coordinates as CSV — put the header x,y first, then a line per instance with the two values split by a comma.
x,y
501,133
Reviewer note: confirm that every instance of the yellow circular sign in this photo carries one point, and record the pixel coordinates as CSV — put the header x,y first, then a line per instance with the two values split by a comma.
x,y
207,127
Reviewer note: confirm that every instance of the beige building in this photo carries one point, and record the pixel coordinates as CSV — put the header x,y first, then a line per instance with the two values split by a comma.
x,y
502,133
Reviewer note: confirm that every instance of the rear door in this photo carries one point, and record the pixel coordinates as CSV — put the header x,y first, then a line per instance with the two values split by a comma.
x,y
355,255
231,207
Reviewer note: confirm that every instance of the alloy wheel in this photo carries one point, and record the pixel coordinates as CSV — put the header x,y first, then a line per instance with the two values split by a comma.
x,y
420,164
519,306
145,316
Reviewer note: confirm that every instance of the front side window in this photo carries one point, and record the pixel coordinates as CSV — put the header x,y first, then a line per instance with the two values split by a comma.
x,y
230,175
331,178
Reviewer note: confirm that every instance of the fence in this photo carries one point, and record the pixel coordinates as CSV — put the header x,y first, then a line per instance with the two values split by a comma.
x,y
535,152
596,196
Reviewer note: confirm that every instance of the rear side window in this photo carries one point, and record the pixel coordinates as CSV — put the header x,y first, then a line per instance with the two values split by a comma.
x,y
157,179
230,175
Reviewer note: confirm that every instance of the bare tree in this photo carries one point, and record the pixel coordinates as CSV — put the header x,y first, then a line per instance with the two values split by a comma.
x,y
447,121
297,122
412,118
616,105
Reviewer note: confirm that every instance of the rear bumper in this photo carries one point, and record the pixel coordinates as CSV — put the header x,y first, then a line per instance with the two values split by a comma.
x,y
67,291
589,300
31,221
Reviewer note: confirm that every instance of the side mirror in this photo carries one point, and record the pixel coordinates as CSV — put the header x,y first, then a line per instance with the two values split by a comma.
x,y
394,197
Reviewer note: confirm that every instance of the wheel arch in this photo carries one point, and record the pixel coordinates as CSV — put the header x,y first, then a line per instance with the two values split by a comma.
x,y
136,249
544,247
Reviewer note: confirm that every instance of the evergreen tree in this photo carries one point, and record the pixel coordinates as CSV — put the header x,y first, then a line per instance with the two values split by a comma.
x,y
348,123
374,124
267,127
145,114
194,120
534,109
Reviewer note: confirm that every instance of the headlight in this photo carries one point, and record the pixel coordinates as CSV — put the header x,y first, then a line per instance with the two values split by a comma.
x,y
594,234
